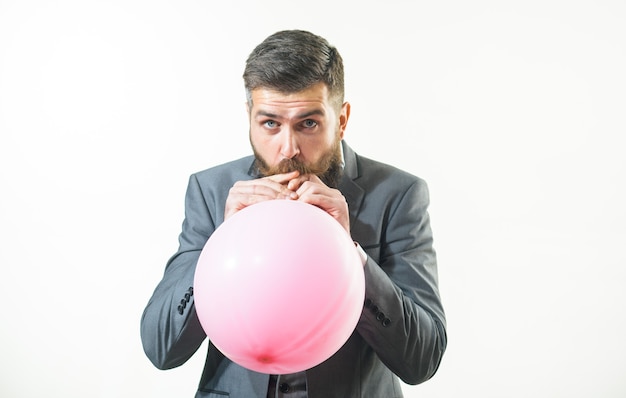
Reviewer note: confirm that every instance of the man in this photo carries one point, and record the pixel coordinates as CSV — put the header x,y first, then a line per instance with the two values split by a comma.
x,y
298,117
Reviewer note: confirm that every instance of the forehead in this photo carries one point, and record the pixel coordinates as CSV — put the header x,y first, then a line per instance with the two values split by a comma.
x,y
315,96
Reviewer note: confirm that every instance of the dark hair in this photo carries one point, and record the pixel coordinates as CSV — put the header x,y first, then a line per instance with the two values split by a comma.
x,y
290,61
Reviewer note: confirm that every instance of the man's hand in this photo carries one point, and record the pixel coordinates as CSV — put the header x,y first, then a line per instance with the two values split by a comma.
x,y
246,193
310,189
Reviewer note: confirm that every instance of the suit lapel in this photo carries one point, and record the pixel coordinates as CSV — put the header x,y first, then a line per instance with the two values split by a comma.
x,y
351,190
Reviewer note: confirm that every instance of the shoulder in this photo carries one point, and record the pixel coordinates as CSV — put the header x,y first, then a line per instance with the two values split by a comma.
x,y
227,173
368,172
374,172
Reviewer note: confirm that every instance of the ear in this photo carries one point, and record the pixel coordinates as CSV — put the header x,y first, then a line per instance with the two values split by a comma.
x,y
344,115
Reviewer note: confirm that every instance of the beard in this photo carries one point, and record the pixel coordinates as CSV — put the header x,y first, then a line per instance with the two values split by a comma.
x,y
328,168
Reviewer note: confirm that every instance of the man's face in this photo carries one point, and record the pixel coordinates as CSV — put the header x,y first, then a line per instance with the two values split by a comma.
x,y
299,131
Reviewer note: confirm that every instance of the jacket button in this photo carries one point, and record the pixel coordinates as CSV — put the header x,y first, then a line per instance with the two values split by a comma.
x,y
284,387
181,309
380,316
386,322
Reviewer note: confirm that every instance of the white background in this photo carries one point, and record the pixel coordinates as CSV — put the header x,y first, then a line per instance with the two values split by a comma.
x,y
514,113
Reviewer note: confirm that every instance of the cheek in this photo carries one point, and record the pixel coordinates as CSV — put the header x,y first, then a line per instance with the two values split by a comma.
x,y
259,138
312,150
265,146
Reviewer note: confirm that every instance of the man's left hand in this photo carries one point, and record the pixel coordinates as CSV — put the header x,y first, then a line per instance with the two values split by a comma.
x,y
312,190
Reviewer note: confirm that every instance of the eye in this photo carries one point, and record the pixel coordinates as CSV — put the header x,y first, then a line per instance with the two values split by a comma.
x,y
270,124
309,123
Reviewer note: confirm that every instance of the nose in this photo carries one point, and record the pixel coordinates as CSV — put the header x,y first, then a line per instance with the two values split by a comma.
x,y
289,146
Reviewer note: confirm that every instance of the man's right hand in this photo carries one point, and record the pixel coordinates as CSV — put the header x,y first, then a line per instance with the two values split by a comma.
x,y
246,193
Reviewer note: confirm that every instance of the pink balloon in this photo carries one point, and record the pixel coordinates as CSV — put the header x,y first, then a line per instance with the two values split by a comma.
x,y
279,287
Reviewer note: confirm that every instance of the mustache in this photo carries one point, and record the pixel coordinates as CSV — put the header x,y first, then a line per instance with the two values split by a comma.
x,y
329,168
329,171
294,164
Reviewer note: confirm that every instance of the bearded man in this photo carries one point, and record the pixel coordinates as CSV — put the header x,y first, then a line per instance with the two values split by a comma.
x,y
294,82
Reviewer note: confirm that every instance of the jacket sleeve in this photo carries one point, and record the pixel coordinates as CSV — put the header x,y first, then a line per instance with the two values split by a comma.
x,y
170,330
403,319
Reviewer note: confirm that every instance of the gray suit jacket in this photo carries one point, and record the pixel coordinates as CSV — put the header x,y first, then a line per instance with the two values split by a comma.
x,y
401,332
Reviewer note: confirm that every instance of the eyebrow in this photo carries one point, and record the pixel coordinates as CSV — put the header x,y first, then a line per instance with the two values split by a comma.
x,y
313,112
300,116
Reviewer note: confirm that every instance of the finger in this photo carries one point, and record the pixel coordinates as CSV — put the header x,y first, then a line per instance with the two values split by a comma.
x,y
261,187
312,187
247,195
237,202
283,178
296,183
